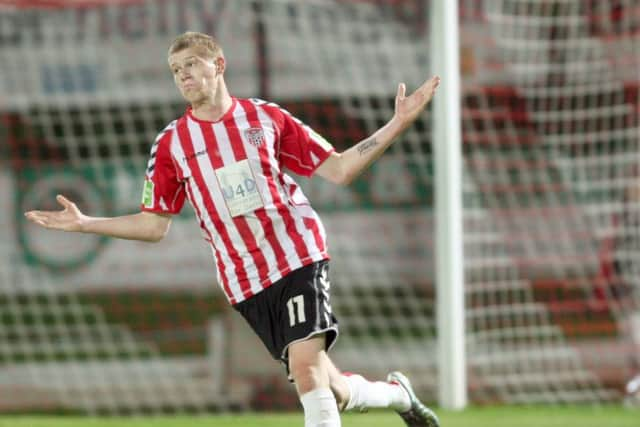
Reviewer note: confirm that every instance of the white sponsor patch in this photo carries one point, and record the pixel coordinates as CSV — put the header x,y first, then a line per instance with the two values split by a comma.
x,y
239,188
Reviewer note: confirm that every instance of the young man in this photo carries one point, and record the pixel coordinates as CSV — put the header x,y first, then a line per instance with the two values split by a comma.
x,y
226,155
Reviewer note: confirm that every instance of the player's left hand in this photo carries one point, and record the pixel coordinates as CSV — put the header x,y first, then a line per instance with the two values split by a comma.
x,y
407,108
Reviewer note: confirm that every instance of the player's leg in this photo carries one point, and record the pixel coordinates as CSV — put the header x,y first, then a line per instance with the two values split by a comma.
x,y
293,319
307,364
354,392
308,299
309,370
309,330
324,390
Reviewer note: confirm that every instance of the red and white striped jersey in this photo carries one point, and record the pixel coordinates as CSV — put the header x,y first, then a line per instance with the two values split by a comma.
x,y
255,217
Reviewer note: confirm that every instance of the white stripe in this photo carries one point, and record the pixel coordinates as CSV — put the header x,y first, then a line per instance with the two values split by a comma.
x,y
314,159
209,177
252,152
198,201
307,235
317,138
297,212
178,155
226,152
324,289
284,238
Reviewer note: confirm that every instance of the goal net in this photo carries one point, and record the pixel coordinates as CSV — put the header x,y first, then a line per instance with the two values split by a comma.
x,y
551,156
551,149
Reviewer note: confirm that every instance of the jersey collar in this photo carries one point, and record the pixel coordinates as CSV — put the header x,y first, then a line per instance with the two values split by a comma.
x,y
224,117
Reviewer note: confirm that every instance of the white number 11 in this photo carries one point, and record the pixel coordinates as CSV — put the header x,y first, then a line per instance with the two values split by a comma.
x,y
298,302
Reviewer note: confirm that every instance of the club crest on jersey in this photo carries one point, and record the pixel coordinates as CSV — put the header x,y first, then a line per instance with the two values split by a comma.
x,y
255,136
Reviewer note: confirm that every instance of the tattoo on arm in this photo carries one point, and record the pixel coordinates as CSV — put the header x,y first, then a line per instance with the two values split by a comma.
x,y
367,145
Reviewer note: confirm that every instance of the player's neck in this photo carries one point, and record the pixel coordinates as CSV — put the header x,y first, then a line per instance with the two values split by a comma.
x,y
212,109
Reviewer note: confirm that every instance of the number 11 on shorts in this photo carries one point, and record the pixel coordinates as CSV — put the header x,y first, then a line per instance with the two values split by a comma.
x,y
294,303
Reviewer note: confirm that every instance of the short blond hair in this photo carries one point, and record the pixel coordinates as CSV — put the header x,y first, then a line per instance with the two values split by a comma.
x,y
209,45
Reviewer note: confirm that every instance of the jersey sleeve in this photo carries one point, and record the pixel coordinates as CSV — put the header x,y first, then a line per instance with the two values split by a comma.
x,y
302,149
163,191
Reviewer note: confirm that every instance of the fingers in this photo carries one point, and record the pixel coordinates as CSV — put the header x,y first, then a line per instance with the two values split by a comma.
x,y
402,90
430,85
424,92
54,219
64,201
427,87
32,214
37,217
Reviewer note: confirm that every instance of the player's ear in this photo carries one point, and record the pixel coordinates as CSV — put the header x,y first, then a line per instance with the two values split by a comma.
x,y
220,64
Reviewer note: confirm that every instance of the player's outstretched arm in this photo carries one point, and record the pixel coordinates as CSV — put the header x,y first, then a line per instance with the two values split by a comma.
x,y
145,226
342,168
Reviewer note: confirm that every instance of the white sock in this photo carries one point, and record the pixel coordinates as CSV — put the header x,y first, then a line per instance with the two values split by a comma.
x,y
366,394
320,408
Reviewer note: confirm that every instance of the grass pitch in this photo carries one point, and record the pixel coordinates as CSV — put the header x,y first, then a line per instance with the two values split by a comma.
x,y
505,416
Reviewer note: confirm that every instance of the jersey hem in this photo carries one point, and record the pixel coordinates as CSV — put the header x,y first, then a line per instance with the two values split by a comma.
x,y
274,277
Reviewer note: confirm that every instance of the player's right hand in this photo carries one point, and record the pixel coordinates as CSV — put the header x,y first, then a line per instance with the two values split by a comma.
x,y
407,108
68,219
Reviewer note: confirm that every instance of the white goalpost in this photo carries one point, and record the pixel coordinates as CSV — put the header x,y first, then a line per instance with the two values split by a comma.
x,y
446,140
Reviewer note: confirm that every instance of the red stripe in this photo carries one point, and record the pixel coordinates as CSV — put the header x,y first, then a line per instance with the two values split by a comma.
x,y
283,212
312,225
185,138
219,263
283,209
241,223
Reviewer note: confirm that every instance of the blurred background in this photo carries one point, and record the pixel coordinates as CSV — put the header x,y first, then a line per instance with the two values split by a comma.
x,y
551,190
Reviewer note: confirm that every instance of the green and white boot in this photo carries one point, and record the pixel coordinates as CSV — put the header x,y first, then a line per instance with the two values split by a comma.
x,y
418,415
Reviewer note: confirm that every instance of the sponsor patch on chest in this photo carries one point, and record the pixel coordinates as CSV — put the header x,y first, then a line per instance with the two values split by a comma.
x,y
239,189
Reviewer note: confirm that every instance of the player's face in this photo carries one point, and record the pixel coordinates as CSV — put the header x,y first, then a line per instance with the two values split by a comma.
x,y
194,74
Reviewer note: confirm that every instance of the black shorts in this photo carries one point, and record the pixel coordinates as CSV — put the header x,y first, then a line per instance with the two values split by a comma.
x,y
292,309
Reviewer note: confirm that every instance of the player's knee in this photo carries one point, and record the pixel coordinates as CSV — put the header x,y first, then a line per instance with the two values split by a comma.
x,y
307,364
308,376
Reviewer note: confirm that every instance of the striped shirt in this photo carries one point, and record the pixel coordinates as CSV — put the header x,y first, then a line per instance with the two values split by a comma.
x,y
255,217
